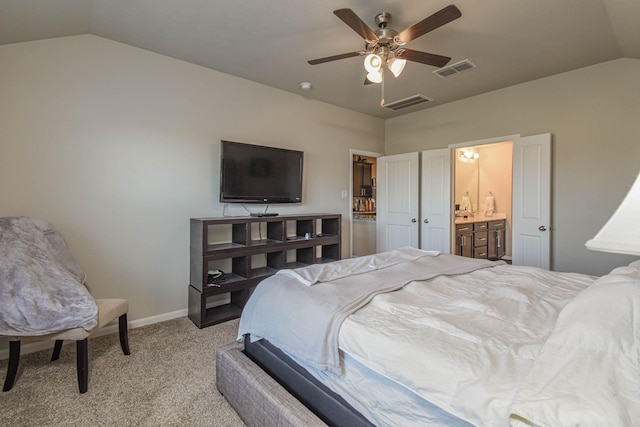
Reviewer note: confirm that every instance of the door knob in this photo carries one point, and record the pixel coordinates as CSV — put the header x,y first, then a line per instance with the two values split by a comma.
x,y
542,228
413,220
426,221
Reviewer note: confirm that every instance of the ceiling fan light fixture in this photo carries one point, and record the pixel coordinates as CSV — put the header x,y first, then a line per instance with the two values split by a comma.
x,y
372,63
396,65
374,77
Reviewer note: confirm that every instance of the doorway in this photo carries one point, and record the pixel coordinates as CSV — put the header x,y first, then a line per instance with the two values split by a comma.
x,y
363,198
529,224
483,187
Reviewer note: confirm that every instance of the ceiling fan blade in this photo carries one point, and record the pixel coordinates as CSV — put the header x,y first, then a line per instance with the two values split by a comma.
x,y
349,17
438,19
333,58
424,57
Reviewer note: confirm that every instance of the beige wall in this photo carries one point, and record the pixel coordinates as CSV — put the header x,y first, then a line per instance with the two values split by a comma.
x,y
593,114
118,147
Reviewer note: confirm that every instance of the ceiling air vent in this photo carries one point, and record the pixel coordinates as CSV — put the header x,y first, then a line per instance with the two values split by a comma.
x,y
411,101
456,68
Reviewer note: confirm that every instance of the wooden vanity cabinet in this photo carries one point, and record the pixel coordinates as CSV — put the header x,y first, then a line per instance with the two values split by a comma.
x,y
496,239
464,240
482,239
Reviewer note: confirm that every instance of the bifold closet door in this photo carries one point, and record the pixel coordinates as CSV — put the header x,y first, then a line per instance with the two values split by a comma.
x,y
397,222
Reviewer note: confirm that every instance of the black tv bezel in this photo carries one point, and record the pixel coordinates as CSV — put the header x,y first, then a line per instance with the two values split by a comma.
x,y
262,200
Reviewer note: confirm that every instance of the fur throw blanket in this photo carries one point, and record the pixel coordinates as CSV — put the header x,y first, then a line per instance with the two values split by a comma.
x,y
42,287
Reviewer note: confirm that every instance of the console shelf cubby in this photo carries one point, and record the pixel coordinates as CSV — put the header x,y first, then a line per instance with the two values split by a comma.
x,y
248,250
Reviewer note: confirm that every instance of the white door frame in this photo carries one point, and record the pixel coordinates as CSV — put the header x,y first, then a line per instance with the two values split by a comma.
x,y
356,152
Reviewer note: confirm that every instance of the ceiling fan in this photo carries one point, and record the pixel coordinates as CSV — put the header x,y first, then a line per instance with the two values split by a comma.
x,y
386,46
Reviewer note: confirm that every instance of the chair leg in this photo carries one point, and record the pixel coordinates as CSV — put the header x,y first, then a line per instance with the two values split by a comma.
x,y
12,369
124,334
57,348
83,364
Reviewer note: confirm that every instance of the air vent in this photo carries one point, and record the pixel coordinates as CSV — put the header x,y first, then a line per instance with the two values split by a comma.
x,y
456,68
411,101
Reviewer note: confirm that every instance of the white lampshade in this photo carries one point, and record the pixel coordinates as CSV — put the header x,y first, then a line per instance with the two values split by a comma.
x,y
396,65
372,63
374,77
621,234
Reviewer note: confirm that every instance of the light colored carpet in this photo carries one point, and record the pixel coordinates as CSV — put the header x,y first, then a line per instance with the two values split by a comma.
x,y
168,380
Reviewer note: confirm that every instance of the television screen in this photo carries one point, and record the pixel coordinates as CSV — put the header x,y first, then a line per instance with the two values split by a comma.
x,y
258,174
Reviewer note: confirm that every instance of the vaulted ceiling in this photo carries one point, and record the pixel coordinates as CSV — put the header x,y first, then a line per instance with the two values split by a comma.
x,y
270,42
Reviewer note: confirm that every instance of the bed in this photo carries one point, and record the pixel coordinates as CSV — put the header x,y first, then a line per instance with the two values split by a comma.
x,y
412,337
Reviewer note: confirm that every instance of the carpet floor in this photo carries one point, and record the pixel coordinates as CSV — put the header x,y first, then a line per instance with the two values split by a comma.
x,y
168,380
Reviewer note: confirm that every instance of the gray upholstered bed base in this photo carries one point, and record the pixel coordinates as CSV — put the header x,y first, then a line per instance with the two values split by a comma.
x,y
256,397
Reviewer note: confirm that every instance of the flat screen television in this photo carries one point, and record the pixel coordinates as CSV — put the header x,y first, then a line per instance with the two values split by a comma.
x,y
259,174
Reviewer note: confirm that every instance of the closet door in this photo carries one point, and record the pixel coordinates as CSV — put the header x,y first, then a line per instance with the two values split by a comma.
x,y
532,201
398,207
435,200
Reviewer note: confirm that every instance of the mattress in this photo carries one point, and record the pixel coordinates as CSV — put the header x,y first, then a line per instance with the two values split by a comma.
x,y
380,400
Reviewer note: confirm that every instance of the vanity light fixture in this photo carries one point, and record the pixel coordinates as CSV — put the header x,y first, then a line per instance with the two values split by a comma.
x,y
469,155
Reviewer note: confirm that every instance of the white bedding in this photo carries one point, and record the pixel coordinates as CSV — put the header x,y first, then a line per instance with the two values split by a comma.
x,y
301,311
462,342
498,346
588,372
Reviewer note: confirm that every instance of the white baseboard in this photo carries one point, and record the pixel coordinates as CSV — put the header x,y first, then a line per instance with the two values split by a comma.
x,y
109,329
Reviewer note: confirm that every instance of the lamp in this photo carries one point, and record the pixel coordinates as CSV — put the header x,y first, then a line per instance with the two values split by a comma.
x,y
621,234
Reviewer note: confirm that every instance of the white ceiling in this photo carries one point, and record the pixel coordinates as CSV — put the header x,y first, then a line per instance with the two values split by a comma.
x,y
270,42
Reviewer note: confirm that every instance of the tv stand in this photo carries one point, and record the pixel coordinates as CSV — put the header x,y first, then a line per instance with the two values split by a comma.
x,y
263,214
248,250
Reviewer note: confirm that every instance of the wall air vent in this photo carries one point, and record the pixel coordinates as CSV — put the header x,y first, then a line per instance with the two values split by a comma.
x,y
456,68
411,101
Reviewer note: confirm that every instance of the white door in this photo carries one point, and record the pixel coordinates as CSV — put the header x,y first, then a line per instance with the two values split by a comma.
x,y
398,208
435,200
532,201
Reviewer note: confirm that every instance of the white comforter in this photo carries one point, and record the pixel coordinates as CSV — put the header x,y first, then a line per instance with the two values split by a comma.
x,y
301,311
464,342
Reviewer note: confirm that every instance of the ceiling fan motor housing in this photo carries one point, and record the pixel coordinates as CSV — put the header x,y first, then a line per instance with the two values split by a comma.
x,y
387,38
382,19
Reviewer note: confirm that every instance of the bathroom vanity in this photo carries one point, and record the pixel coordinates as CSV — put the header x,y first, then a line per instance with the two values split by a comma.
x,y
480,236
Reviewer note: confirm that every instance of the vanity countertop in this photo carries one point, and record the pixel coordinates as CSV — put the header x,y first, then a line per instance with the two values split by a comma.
x,y
479,218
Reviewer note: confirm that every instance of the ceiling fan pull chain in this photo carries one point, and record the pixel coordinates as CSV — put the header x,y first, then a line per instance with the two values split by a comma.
x,y
382,88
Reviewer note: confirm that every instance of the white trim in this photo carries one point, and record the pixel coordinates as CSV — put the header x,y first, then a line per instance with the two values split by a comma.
x,y
109,329
485,141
